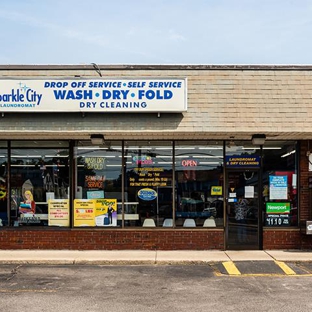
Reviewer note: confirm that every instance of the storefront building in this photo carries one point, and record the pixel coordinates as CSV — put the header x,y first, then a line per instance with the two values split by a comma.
x,y
155,157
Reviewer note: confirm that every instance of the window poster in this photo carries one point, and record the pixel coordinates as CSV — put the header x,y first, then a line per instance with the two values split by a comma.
x,y
278,187
277,214
216,190
58,212
95,194
106,212
249,192
84,212
150,177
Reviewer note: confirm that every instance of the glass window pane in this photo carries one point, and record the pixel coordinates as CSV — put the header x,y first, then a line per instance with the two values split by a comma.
x,y
37,174
199,176
3,187
280,194
148,196
279,179
99,176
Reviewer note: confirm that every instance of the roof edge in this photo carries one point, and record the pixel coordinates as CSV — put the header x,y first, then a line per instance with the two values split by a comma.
x,y
156,67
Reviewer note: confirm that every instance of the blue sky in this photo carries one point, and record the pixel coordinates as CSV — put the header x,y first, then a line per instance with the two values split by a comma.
x,y
156,32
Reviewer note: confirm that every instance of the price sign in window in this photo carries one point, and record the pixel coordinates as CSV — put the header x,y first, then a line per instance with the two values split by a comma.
x,y
277,214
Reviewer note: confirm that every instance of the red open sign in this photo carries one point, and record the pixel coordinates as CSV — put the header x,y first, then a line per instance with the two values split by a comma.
x,y
189,163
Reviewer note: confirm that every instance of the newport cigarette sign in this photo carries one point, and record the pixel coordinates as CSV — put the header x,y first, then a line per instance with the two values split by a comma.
x,y
107,95
278,208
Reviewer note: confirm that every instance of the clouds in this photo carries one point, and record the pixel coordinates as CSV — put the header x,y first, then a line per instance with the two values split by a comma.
x,y
156,32
173,35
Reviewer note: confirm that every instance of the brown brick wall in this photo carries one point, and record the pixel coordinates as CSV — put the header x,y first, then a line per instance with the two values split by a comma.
x,y
91,239
281,239
286,239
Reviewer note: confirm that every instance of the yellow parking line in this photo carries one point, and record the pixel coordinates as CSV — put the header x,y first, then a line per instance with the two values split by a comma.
x,y
231,268
285,268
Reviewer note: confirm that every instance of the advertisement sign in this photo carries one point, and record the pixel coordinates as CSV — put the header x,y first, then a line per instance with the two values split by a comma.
x,y
278,187
95,163
245,161
277,220
94,181
278,208
216,190
96,95
150,177
58,212
84,212
106,212
277,214
147,194
95,194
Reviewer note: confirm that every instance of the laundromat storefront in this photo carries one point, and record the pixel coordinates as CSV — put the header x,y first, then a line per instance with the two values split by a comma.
x,y
88,179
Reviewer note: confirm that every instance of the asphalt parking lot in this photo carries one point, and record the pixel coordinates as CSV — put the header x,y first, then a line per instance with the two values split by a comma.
x,y
260,286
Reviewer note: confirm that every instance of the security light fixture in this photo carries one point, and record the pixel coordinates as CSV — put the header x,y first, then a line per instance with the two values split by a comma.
x,y
258,139
97,139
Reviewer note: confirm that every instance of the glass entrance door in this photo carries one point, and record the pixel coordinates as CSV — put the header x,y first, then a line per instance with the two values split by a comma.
x,y
242,206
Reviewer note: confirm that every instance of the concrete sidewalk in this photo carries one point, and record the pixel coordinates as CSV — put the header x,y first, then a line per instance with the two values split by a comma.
x,y
118,257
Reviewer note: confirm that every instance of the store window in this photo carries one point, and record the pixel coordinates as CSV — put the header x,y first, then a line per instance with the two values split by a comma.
x,y
98,184
39,172
3,184
277,191
148,184
199,183
280,195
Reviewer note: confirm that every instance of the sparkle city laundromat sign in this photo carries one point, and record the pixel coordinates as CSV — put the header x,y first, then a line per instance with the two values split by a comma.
x,y
98,95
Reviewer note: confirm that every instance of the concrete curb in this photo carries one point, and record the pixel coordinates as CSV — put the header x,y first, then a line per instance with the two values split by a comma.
x,y
145,257
102,262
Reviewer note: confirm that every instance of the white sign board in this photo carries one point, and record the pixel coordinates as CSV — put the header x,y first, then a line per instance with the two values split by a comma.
x,y
94,95
249,192
278,187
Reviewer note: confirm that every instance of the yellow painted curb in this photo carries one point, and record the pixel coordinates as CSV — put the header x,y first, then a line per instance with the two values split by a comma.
x,y
287,270
231,268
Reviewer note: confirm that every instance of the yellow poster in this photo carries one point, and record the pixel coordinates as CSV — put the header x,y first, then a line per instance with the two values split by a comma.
x,y
58,212
216,190
106,212
84,212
